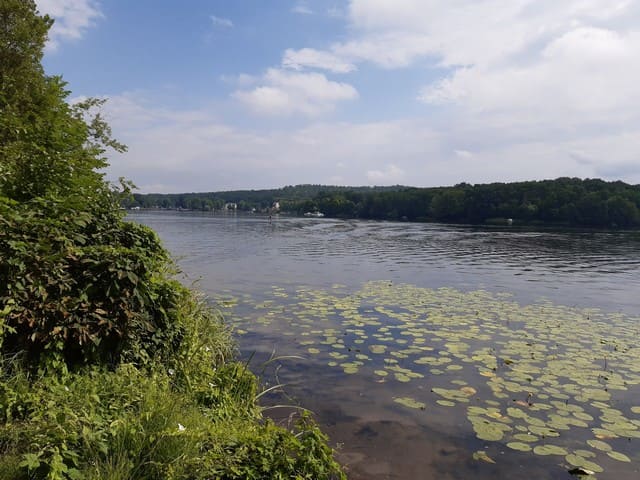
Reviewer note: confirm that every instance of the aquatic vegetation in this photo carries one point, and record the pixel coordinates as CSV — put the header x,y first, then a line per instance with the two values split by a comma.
x,y
410,402
541,379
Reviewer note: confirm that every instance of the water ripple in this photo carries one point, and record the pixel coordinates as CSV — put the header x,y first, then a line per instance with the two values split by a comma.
x,y
576,267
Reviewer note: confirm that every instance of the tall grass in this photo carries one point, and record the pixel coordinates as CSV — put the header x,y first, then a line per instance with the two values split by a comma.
x,y
194,417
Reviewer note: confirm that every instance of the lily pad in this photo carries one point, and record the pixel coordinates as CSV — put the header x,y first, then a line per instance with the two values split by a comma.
x,y
410,402
599,445
519,446
621,457
549,450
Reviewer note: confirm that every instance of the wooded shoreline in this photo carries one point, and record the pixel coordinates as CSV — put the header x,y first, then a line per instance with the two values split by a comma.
x,y
567,202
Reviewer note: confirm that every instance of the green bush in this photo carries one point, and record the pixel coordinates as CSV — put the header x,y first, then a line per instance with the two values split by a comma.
x,y
83,290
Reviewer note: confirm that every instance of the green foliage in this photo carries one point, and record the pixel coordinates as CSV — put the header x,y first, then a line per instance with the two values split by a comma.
x,y
47,147
193,420
136,377
83,289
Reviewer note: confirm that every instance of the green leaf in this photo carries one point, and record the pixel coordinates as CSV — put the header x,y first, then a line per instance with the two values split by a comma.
x,y
31,461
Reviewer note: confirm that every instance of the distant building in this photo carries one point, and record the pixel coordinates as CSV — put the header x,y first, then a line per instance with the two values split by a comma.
x,y
230,206
276,206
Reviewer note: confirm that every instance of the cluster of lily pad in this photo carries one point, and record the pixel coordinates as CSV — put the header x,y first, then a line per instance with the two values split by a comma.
x,y
541,378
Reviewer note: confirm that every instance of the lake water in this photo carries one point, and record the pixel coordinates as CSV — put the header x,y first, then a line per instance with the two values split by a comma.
x,y
432,351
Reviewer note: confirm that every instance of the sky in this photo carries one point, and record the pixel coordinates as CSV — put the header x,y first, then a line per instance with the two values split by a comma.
x,y
214,95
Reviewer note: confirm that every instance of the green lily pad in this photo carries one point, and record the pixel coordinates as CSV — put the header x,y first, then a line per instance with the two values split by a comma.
x,y
585,453
378,349
599,445
527,438
410,402
578,461
549,450
621,457
519,446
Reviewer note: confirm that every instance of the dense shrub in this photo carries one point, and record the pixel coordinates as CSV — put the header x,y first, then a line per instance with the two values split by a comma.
x,y
82,289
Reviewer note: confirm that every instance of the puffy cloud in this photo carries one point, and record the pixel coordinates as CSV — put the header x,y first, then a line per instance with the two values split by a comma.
x,y
552,77
586,74
72,18
283,92
571,60
468,32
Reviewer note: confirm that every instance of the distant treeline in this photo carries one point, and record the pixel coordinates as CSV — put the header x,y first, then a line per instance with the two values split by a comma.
x,y
568,201
246,200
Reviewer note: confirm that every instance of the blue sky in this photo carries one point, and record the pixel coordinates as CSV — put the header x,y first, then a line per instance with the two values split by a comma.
x,y
216,95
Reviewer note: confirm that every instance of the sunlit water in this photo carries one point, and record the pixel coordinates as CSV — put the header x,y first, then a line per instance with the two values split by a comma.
x,y
303,287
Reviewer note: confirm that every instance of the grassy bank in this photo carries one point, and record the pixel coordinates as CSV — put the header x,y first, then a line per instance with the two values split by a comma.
x,y
194,416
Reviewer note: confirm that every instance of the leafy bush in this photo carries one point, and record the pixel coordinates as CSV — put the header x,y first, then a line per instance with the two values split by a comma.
x,y
81,290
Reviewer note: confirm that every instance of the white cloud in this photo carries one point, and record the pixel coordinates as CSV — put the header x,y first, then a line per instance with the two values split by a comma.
x,y
221,22
543,74
177,150
575,60
585,72
386,49
283,92
311,58
302,8
72,18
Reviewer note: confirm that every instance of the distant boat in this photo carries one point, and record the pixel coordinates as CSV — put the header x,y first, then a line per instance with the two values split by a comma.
x,y
314,214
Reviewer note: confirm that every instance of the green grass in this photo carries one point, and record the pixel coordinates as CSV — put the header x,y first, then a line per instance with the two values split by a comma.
x,y
195,417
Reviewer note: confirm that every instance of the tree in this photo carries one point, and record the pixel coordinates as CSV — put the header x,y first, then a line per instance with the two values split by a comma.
x,y
449,205
622,212
48,148
75,280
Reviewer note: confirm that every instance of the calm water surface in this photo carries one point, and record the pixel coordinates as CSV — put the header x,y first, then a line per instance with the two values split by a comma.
x,y
303,287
